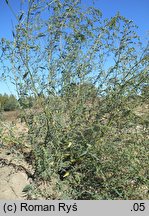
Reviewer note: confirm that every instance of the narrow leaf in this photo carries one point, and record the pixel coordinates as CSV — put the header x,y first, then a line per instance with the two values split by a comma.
x,y
41,35
25,75
32,47
13,33
7,1
42,67
27,188
21,16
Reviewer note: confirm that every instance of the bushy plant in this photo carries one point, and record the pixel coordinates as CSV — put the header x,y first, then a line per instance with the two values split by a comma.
x,y
82,70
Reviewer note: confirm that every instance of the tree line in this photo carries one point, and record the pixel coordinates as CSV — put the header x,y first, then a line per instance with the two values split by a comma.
x,y
8,102
11,103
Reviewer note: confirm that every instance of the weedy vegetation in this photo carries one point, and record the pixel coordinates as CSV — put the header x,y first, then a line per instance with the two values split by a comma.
x,y
87,78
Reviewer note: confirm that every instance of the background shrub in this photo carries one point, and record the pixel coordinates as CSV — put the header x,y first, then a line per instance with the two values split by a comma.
x,y
8,103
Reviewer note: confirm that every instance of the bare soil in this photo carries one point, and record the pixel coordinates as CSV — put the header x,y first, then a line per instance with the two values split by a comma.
x,y
14,170
13,176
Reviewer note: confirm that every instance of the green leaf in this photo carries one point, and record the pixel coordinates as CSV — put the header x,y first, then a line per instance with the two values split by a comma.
x,y
21,16
25,75
13,33
146,58
80,36
32,47
41,35
27,188
6,1
42,67
84,153
113,22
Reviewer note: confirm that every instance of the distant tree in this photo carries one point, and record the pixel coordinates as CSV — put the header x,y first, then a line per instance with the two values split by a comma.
x,y
11,104
8,103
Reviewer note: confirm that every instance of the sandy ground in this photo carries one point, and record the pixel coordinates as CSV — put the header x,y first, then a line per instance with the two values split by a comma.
x,y
13,176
